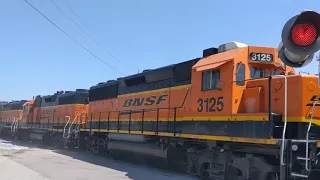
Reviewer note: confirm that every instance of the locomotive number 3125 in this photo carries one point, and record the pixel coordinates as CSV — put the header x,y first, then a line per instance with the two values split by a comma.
x,y
210,104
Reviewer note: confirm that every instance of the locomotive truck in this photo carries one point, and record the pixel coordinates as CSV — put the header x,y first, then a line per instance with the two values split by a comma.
x,y
238,112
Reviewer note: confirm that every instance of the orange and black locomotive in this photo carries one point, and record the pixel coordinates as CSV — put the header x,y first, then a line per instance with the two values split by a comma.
x,y
226,115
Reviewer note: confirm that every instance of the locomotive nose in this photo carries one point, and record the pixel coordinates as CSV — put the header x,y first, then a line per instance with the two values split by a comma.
x,y
314,174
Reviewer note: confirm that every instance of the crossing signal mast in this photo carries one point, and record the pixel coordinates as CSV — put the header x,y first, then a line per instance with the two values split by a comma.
x,y
300,39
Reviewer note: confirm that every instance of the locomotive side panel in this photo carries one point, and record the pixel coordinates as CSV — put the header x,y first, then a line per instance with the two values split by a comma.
x,y
55,115
147,103
10,115
144,106
153,111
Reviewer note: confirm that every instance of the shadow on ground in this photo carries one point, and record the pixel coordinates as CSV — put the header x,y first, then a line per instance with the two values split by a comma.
x,y
130,168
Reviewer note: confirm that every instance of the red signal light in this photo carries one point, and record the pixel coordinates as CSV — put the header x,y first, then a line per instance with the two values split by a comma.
x,y
300,39
304,34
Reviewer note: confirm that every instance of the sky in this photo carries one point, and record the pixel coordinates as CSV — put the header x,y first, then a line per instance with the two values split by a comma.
x,y
36,58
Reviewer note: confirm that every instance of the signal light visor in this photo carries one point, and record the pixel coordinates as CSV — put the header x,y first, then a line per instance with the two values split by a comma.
x,y
304,34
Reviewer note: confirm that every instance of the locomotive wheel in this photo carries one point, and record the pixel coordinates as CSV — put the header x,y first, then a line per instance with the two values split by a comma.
x,y
204,171
88,145
95,145
272,176
102,147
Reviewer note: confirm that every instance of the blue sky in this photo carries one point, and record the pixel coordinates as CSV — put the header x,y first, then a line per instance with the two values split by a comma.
x,y
37,59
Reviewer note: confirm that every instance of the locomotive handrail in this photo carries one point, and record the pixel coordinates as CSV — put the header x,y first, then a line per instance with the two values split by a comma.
x,y
78,130
15,127
307,135
43,123
14,120
80,122
250,79
145,110
69,131
300,72
64,129
285,117
269,98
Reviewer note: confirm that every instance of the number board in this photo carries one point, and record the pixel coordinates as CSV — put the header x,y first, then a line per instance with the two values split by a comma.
x,y
213,104
261,57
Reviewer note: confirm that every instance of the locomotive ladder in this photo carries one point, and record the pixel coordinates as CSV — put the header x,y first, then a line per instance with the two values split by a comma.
x,y
283,149
307,141
285,120
64,129
77,131
12,124
69,131
283,169
15,127
307,135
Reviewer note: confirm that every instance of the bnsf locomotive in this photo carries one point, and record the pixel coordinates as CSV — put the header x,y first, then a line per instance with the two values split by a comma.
x,y
227,115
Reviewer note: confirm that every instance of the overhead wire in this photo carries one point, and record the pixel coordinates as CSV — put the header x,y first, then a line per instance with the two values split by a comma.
x,y
74,12
89,35
74,40
83,21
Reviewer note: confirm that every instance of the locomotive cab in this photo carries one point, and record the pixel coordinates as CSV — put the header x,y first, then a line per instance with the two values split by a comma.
x,y
226,86
27,109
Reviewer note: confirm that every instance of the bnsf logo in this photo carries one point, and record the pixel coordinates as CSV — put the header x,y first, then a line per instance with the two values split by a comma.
x,y
313,99
144,101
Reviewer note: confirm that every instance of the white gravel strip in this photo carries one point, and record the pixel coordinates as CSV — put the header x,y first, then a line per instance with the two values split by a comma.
x,y
11,170
7,148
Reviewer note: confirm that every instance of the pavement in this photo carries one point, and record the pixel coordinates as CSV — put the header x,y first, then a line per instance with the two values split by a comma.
x,y
30,161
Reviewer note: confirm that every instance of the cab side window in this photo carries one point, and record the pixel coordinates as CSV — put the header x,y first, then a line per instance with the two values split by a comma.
x,y
240,75
25,109
290,73
211,80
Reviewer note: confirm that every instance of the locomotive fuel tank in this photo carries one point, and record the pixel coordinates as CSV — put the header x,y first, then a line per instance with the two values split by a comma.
x,y
127,137
137,148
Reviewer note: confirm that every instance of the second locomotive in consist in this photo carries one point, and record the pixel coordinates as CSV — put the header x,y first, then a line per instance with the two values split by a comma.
x,y
225,116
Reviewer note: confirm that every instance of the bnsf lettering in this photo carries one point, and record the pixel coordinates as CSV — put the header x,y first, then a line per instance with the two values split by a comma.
x,y
138,102
161,98
127,103
50,111
145,101
150,100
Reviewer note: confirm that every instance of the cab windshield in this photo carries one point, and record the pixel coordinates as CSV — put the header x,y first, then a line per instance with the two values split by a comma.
x,y
256,73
